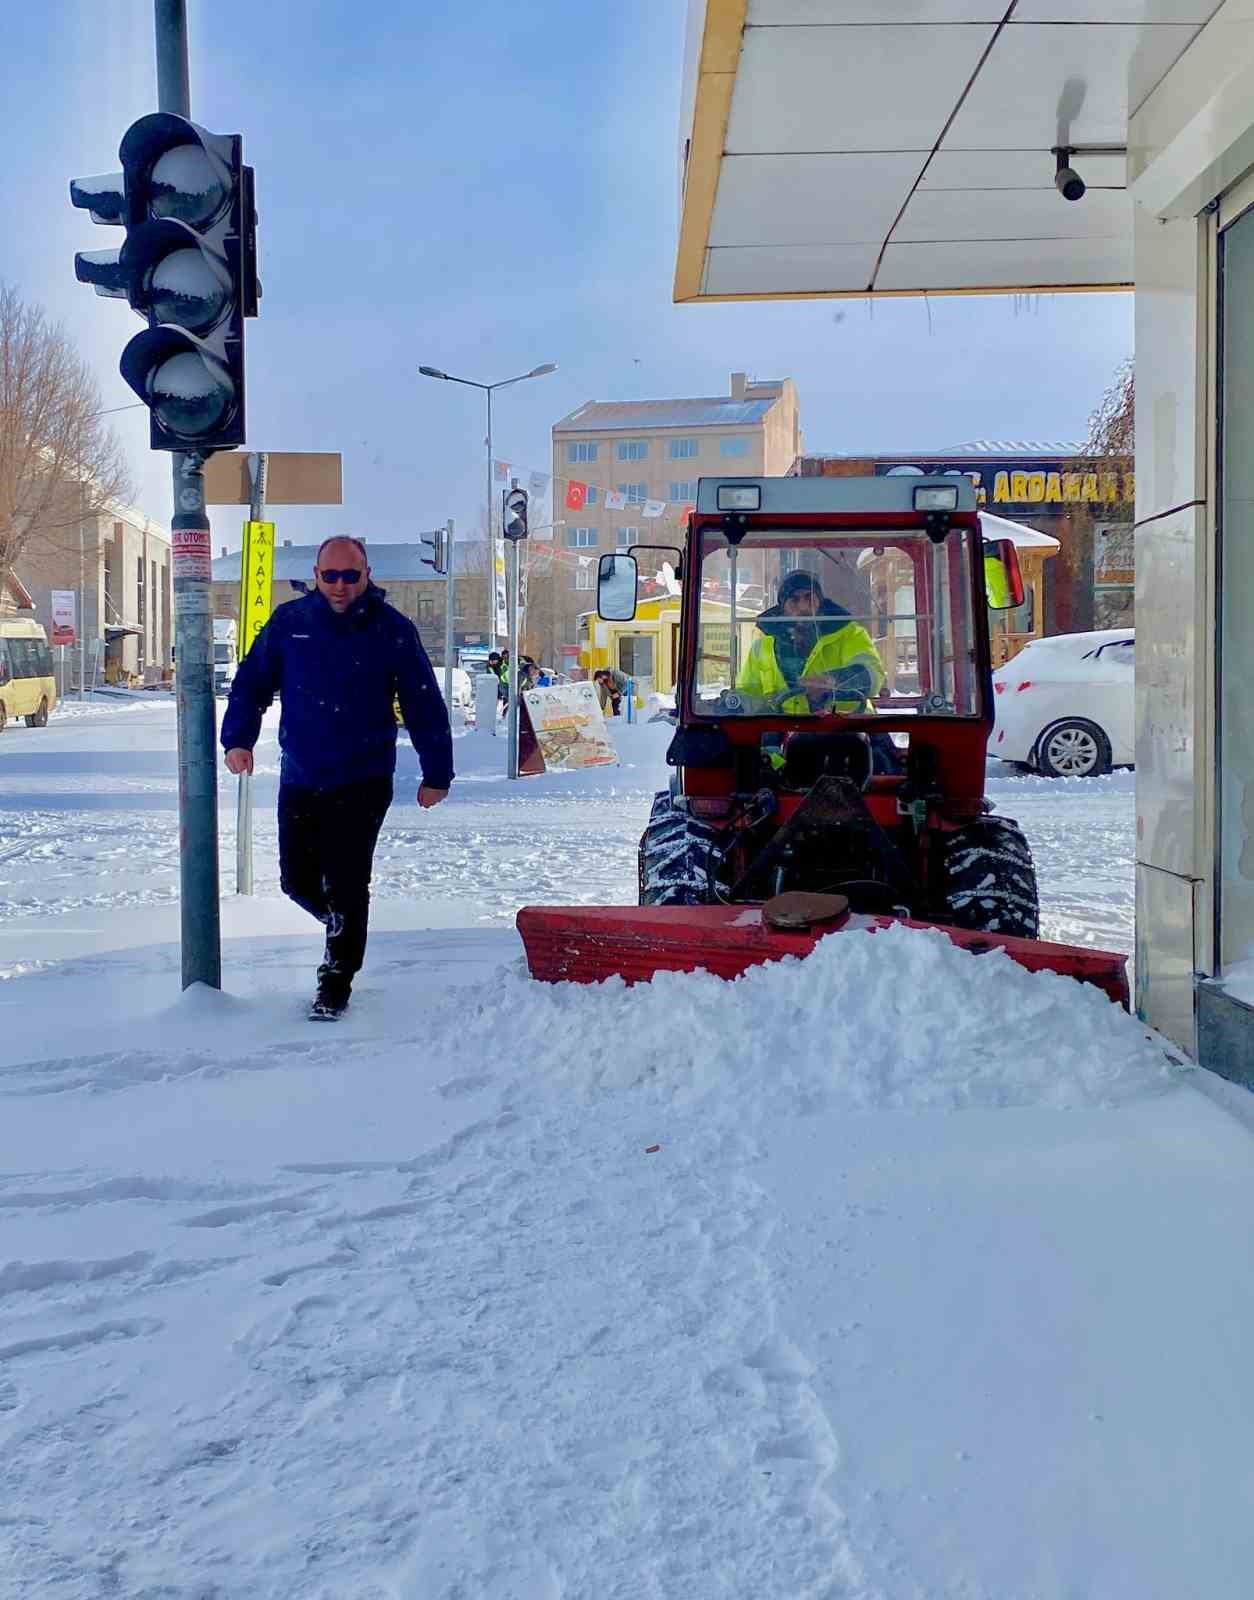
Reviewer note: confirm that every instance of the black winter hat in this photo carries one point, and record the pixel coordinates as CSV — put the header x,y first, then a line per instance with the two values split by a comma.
x,y
799,583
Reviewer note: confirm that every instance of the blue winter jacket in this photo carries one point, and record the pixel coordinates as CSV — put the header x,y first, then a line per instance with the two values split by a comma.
x,y
336,677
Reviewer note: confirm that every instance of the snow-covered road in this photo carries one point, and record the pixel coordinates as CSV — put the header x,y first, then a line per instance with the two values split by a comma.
x,y
897,1274
89,825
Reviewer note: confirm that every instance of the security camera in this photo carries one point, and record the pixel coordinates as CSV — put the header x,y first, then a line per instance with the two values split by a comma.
x,y
1067,181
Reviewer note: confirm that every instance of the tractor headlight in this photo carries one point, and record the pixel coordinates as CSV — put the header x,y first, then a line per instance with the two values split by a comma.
x,y
936,498
740,497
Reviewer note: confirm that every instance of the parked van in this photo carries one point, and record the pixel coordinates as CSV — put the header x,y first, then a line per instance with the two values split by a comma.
x,y
225,654
28,687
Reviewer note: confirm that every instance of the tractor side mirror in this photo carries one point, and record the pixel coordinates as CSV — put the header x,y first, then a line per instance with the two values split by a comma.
x,y
616,588
1003,581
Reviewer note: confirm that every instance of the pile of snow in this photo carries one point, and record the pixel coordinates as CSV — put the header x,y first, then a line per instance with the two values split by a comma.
x,y
899,1019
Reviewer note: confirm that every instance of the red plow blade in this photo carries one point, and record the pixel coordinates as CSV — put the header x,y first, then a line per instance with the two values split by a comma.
x,y
585,944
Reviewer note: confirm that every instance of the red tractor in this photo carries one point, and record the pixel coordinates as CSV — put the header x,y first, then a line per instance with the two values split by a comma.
x,y
833,709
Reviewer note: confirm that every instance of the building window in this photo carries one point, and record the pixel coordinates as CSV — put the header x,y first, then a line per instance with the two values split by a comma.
x,y
585,577
633,449
581,538
683,449
581,450
636,493
426,608
590,495
627,537
683,490
734,444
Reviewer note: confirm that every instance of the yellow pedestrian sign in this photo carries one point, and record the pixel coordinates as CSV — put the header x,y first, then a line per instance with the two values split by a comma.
x,y
256,583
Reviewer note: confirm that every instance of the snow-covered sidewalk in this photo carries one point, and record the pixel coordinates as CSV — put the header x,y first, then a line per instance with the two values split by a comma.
x,y
896,1273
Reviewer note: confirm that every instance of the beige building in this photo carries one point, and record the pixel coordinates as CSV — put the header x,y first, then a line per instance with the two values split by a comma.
x,y
645,451
117,562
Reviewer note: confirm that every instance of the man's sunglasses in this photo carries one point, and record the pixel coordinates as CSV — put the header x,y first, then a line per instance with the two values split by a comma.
x,y
340,574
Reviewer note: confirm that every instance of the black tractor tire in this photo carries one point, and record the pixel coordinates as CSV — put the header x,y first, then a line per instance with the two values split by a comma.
x,y
990,882
674,857
38,719
4,716
1075,748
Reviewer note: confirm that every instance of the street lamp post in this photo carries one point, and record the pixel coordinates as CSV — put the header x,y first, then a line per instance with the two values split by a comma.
x,y
488,389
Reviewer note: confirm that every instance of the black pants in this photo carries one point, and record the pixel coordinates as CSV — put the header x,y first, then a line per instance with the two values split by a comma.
x,y
326,850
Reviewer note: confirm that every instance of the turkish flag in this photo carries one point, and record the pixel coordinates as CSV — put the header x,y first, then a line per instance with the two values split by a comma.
x,y
576,495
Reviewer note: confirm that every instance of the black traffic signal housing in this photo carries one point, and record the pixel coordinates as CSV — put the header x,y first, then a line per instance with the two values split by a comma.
x,y
438,559
188,266
514,513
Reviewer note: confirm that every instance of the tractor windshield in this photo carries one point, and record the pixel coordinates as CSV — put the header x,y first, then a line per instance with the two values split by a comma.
x,y
821,623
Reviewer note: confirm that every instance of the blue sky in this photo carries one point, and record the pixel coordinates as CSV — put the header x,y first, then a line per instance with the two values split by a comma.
x,y
481,187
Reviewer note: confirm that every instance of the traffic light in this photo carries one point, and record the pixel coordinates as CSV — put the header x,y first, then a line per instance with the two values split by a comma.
x,y
188,266
439,550
514,518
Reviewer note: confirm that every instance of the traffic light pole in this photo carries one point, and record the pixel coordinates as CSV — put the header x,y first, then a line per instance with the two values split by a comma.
x,y
450,600
191,552
513,565
257,465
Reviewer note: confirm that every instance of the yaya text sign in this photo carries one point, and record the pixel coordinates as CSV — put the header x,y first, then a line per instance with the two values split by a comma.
x,y
256,595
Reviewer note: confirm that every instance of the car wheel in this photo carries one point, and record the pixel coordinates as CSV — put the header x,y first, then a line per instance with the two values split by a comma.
x,y
39,719
1073,749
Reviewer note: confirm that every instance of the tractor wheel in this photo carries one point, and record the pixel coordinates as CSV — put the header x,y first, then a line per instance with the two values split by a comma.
x,y
1073,749
38,719
4,716
990,882
674,857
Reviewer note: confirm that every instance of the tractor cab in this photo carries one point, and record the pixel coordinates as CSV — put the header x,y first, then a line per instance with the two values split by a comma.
x,y
834,697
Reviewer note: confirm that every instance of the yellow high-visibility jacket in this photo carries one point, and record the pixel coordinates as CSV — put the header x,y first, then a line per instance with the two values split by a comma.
x,y
839,643
996,583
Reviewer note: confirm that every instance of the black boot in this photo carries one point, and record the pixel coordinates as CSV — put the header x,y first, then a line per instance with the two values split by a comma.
x,y
331,1000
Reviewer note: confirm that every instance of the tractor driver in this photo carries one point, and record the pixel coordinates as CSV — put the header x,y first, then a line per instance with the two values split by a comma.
x,y
810,655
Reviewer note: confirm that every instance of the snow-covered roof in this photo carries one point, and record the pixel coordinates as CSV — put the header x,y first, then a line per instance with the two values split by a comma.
x,y
715,412
17,590
1018,448
1023,537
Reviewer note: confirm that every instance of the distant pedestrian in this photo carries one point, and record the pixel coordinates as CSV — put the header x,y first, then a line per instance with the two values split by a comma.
x,y
611,687
337,657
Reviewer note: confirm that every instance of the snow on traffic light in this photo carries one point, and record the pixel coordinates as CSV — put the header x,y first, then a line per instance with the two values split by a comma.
x,y
188,266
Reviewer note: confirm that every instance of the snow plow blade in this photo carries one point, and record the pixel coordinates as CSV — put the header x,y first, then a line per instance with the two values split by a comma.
x,y
585,944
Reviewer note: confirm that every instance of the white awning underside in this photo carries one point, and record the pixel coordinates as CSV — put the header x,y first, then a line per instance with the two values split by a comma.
x,y
853,147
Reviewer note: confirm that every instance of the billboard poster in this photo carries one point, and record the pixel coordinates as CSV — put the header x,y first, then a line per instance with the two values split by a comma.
x,y
498,581
569,728
64,617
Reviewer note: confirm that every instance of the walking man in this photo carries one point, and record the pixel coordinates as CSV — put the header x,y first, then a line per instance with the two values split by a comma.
x,y
337,658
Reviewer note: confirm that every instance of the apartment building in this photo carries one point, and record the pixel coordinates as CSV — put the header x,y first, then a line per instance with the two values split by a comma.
x,y
645,454
117,562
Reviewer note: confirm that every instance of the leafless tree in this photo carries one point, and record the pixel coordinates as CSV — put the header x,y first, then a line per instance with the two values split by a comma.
x,y
1111,427
1103,534
59,463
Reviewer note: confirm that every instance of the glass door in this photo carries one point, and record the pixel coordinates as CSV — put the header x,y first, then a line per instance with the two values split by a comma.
x,y
1234,597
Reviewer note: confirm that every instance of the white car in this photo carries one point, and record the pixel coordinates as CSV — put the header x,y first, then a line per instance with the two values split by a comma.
x,y
1065,705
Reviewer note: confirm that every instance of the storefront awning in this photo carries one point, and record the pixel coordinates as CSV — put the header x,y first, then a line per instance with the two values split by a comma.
x,y
846,147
